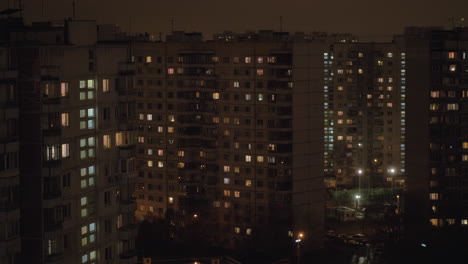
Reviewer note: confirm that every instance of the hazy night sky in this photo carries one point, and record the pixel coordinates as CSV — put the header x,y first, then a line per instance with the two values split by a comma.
x,y
368,18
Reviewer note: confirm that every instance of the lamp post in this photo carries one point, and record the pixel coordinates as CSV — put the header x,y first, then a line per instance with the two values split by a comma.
x,y
392,171
359,172
358,197
300,236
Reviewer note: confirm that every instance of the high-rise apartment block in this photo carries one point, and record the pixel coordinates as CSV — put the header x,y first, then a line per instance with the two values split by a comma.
x,y
364,113
9,171
63,115
229,131
437,142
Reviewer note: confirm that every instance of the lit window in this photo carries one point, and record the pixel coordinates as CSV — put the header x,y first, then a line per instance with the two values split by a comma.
x,y
248,97
452,107
106,139
227,180
160,152
65,150
248,231
63,89
259,158
451,55
236,194
248,59
464,157
237,230
360,71
150,163
434,196
339,71
65,121
226,168
465,145
170,71
340,88
105,85
390,55
227,193
339,138
148,59
380,63
160,164
216,96
259,59
259,72
248,183
171,200
236,84
149,117
90,84
434,107
340,113
248,158
452,67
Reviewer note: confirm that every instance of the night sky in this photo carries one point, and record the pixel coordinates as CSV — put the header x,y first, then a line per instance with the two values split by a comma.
x,y
370,19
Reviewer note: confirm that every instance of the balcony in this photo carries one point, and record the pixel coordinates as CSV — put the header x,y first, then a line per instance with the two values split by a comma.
x,y
128,151
8,75
128,206
12,244
128,258
127,177
128,232
127,68
50,73
54,258
52,132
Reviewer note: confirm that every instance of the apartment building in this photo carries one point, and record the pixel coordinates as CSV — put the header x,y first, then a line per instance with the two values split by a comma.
x,y
76,161
229,133
437,137
9,170
364,88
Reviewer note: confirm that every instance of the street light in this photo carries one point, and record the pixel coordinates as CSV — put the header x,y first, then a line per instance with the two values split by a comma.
x,y
300,236
359,172
392,171
358,197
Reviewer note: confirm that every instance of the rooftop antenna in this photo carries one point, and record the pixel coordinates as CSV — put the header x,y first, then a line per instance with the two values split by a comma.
x,y
281,23
74,10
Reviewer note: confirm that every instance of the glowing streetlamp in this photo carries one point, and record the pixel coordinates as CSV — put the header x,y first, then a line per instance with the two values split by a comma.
x,y
358,197
392,171
300,236
359,172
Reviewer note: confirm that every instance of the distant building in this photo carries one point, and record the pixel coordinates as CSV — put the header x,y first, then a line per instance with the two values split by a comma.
x,y
364,114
